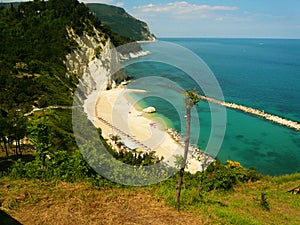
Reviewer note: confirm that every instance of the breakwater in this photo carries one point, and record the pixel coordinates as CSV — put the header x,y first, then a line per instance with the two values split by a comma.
x,y
273,118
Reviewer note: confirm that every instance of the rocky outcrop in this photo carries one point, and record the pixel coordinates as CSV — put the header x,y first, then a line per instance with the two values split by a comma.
x,y
83,62
146,34
131,51
149,110
92,62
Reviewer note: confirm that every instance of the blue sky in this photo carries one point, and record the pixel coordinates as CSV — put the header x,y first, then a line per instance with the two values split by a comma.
x,y
216,18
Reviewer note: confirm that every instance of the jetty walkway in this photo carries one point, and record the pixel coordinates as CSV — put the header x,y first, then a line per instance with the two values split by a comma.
x,y
275,119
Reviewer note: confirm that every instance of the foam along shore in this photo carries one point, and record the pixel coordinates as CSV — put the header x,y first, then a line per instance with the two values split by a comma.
x,y
149,41
116,115
276,119
134,55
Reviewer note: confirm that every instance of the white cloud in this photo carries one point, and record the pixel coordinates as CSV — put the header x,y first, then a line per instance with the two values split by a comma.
x,y
120,4
183,11
183,7
84,1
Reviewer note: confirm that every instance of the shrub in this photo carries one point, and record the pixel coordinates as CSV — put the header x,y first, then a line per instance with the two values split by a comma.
x,y
59,165
219,176
264,202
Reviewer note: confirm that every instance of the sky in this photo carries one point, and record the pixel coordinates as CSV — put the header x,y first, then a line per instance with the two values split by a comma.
x,y
215,18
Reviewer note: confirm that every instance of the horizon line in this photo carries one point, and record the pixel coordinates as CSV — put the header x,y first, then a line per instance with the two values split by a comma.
x,y
212,37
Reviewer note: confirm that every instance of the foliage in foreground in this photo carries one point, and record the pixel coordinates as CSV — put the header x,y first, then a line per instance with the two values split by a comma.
x,y
45,202
227,194
217,177
59,165
52,163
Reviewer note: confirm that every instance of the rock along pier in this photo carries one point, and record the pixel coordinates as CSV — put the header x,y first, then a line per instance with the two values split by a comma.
x,y
276,119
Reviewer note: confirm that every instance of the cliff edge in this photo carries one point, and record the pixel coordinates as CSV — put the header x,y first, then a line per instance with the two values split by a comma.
x,y
121,22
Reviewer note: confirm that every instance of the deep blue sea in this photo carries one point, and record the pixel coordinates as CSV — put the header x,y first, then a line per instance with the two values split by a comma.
x,y
259,73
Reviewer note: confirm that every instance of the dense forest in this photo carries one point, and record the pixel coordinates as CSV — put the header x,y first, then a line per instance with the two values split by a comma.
x,y
34,43
121,22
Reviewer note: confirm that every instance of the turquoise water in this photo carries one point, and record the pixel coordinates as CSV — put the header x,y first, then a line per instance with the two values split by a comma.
x,y
260,73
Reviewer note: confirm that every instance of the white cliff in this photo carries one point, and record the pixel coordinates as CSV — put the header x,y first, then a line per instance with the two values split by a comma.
x,y
95,64
90,61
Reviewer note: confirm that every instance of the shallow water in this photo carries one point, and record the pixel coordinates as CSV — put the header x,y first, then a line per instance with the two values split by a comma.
x,y
260,73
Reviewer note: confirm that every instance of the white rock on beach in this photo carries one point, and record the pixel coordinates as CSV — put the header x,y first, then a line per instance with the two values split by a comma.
x,y
150,109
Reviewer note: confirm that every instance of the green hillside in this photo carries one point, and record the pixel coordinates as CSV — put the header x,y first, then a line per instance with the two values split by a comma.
x,y
34,44
121,22
36,90
45,179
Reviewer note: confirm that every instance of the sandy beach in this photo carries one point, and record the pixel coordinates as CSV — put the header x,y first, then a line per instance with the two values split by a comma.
x,y
115,114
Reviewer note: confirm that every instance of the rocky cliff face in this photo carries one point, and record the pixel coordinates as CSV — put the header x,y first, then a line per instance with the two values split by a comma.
x,y
92,63
147,35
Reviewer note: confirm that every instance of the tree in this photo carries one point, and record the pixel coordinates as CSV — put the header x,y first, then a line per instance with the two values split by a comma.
x,y
39,135
18,130
4,129
204,163
191,99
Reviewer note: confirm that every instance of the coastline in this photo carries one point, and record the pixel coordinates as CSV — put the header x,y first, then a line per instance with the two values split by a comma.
x,y
162,121
116,114
134,55
149,41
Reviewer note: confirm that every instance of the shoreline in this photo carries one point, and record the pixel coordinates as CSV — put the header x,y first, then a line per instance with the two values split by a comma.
x,y
116,115
149,41
162,121
133,55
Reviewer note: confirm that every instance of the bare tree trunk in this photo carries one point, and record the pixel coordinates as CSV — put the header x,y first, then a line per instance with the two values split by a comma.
x,y
16,148
5,146
19,146
2,146
200,188
186,148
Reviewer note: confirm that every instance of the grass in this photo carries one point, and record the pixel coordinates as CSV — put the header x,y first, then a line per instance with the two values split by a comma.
x,y
56,202
37,202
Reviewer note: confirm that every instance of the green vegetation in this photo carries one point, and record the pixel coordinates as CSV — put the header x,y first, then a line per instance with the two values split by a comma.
x,y
34,43
47,181
33,46
121,22
40,202
146,159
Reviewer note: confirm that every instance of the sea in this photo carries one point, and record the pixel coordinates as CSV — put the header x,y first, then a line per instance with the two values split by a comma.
x,y
260,73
